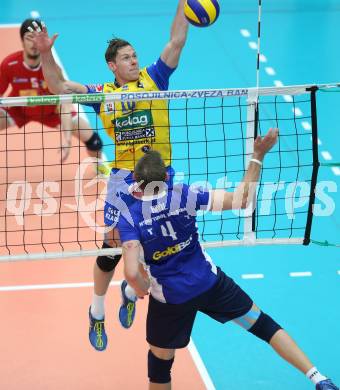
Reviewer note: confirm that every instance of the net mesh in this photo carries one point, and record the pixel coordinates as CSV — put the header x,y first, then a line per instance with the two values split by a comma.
x,y
51,206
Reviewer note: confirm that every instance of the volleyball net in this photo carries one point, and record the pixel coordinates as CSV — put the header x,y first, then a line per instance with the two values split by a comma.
x,y
50,208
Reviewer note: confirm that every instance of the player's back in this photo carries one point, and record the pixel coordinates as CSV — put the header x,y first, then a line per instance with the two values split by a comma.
x,y
166,228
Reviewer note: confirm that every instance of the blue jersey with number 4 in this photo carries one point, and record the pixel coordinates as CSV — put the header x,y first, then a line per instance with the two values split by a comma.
x,y
165,225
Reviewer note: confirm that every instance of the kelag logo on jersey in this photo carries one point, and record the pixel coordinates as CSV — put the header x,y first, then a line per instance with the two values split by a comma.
x,y
134,121
137,125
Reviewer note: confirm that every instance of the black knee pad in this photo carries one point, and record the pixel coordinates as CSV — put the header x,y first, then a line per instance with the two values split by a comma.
x,y
159,370
265,327
95,143
108,263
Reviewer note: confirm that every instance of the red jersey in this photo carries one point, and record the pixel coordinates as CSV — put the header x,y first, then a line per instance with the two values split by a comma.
x,y
24,81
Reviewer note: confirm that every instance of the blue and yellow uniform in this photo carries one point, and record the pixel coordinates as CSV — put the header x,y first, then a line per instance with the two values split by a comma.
x,y
134,127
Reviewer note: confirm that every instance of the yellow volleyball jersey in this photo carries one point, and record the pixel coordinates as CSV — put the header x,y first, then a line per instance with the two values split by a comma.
x,y
136,127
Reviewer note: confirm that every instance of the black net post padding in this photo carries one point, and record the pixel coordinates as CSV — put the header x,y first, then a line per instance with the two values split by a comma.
x,y
316,165
256,129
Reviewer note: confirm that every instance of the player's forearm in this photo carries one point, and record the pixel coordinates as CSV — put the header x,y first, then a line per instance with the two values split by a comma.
x,y
52,74
245,190
131,253
135,279
139,284
178,36
179,28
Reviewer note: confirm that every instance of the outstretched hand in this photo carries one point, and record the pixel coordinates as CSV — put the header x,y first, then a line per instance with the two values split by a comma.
x,y
263,145
40,37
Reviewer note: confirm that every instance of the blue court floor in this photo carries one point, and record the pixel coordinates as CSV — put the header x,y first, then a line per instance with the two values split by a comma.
x,y
300,41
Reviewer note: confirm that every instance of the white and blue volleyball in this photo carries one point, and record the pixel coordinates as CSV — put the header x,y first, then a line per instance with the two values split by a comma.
x,y
201,13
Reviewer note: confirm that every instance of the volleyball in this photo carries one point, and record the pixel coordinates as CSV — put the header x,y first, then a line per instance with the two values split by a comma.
x,y
201,13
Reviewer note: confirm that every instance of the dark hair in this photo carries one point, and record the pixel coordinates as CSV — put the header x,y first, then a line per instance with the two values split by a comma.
x,y
150,168
28,23
114,45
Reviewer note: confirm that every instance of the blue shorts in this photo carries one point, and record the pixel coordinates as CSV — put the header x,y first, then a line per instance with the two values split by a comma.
x,y
119,198
170,325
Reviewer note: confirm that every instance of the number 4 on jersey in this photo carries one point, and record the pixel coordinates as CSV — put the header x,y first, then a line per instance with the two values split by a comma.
x,y
168,230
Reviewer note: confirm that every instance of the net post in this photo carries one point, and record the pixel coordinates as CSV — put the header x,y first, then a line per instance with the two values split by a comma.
x,y
252,120
316,165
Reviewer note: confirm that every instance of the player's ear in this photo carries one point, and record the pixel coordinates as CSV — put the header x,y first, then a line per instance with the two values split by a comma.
x,y
112,66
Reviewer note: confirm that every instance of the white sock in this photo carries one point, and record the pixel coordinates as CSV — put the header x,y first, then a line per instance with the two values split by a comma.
x,y
97,307
130,293
314,375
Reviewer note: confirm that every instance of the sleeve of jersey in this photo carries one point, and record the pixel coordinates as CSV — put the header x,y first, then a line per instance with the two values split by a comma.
x,y
160,73
127,232
3,79
94,88
201,196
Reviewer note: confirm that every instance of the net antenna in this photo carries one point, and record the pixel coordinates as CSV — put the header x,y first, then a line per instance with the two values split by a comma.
x,y
258,45
252,132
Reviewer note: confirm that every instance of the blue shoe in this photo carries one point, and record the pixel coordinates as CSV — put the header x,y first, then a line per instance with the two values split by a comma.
x,y
127,309
326,385
97,335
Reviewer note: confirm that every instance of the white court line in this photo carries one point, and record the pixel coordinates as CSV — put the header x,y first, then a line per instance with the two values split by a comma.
x,y
10,25
300,274
252,45
336,171
288,98
118,282
306,125
269,70
278,83
326,155
297,111
200,366
52,286
244,32
252,276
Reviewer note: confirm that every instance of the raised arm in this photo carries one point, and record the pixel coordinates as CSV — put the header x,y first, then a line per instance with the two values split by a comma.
x,y
178,36
55,80
243,194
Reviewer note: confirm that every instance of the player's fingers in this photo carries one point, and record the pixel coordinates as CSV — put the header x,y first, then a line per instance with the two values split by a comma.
x,y
36,26
55,36
258,140
274,132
